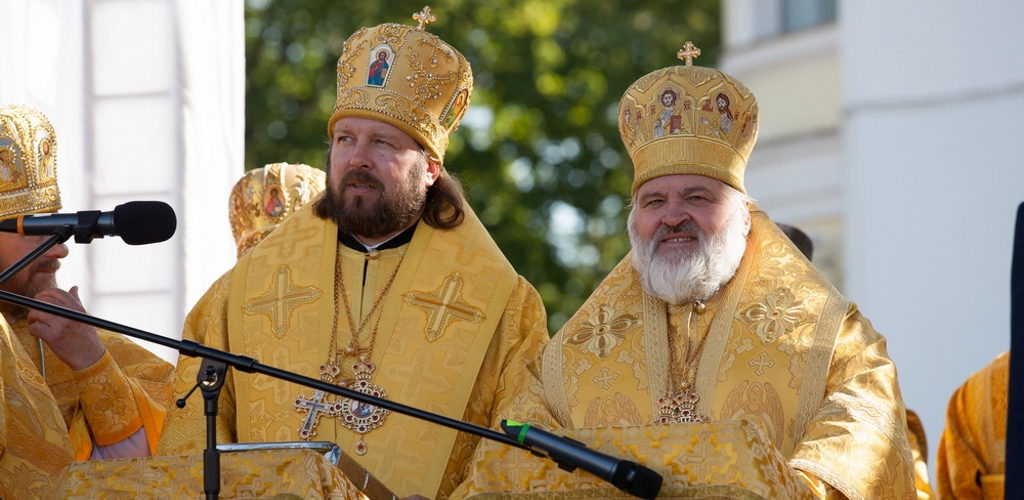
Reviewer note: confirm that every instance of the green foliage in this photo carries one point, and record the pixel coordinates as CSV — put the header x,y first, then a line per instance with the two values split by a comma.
x,y
539,152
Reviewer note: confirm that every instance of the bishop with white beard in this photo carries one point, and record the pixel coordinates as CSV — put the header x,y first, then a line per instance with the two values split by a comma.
x,y
714,317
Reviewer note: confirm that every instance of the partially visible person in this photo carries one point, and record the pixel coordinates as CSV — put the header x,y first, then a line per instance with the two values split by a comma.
x,y
799,238
915,429
264,197
33,436
389,285
971,461
112,392
714,316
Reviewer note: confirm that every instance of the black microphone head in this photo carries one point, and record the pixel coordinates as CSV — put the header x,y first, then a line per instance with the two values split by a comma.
x,y
637,480
144,222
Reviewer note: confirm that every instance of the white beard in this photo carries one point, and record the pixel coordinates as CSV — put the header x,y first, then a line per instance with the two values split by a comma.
x,y
684,276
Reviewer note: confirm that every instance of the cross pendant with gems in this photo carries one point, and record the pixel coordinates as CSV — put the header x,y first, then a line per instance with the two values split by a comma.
x,y
317,407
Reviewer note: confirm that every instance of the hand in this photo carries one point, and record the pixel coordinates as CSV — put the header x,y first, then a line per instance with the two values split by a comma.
x,y
76,344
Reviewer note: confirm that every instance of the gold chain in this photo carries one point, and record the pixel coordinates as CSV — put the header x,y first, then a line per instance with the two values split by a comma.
x,y
687,371
339,289
692,362
680,404
354,415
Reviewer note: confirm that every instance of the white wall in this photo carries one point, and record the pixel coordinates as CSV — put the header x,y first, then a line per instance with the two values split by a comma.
x,y
918,179
934,99
147,100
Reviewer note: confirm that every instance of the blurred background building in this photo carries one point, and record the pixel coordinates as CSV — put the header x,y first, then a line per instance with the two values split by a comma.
x,y
147,100
889,133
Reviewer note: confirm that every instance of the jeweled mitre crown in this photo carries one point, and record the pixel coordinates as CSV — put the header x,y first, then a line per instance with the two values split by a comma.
x,y
264,197
28,163
406,77
688,120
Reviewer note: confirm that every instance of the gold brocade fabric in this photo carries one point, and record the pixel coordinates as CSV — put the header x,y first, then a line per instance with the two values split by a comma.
x,y
728,459
34,444
455,313
266,475
782,349
972,451
127,389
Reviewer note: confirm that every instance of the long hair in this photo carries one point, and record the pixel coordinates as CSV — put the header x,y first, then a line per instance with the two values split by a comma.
x,y
442,209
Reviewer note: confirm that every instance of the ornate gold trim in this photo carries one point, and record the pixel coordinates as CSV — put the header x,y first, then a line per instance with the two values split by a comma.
x,y
553,380
819,357
656,343
688,155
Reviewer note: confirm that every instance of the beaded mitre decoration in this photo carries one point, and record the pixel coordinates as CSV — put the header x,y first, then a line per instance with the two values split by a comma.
x,y
264,197
28,163
688,120
406,77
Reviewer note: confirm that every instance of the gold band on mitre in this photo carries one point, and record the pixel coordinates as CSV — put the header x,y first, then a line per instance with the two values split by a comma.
x,y
688,120
28,163
265,197
406,77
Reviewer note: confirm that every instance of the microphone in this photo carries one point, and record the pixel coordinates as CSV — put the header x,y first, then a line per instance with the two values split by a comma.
x,y
136,222
569,454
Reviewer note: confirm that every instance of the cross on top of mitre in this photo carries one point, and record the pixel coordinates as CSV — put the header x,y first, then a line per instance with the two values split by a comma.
x,y
424,17
688,53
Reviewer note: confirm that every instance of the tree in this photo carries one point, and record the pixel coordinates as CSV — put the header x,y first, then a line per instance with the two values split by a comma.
x,y
538,152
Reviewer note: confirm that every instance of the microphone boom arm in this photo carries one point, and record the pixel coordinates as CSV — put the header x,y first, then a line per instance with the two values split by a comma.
x,y
251,365
59,236
247,364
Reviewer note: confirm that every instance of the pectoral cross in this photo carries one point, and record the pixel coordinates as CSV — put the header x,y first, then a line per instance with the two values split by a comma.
x,y
316,408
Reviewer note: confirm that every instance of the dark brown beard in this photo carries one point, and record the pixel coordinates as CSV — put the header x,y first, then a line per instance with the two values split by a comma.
x,y
390,212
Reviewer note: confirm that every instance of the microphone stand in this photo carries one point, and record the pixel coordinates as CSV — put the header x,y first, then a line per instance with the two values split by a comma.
x,y
215,362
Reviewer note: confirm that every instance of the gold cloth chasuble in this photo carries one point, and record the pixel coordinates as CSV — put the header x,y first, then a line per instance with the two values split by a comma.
x,y
971,461
34,444
127,389
454,313
777,346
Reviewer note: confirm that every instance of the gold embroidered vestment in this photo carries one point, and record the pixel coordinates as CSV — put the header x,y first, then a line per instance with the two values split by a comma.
x,y
129,388
455,312
782,349
971,461
34,444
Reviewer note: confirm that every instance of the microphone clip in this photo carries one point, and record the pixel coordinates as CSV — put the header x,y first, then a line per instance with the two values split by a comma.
x,y
86,229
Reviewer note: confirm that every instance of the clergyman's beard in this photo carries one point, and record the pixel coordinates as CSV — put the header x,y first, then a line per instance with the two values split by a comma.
x,y
390,212
680,276
27,284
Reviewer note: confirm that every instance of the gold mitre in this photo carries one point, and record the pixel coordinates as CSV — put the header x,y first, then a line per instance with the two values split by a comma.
x,y
28,163
688,120
406,77
264,197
